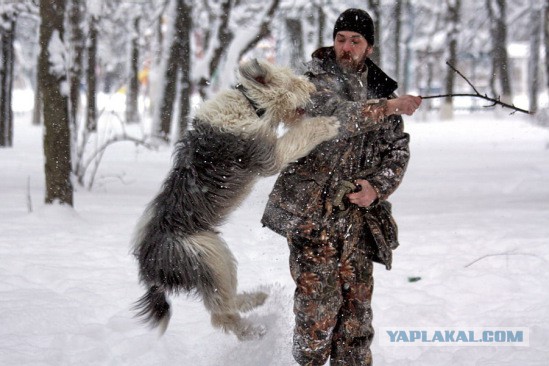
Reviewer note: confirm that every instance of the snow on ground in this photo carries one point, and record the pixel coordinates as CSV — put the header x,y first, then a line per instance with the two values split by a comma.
x,y
473,214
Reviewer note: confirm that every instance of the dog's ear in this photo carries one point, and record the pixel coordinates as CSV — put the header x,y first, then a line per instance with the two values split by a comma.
x,y
254,71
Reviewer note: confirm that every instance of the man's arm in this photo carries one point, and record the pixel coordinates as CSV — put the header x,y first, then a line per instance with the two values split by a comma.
x,y
357,117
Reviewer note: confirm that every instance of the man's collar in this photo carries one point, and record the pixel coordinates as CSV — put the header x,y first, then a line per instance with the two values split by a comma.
x,y
379,83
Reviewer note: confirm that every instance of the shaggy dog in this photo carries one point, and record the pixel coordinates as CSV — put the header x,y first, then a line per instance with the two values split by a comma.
x,y
234,141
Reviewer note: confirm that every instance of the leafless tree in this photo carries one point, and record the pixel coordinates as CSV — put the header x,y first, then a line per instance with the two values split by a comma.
x,y
546,41
453,21
91,77
132,111
177,72
375,8
7,34
52,74
497,13
76,9
533,64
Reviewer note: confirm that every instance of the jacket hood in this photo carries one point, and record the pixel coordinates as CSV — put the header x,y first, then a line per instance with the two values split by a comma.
x,y
379,83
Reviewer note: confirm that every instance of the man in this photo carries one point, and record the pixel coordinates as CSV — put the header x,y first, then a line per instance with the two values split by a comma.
x,y
332,205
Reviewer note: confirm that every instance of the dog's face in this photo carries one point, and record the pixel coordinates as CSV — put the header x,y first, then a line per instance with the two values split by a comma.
x,y
282,93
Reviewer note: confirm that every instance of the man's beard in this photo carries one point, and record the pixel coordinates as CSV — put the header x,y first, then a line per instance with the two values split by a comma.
x,y
348,63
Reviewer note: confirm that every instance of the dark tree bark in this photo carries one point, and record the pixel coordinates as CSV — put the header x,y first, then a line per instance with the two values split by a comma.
x,y
91,79
533,64
500,59
225,37
37,110
185,86
546,41
453,8
295,32
321,25
407,48
397,35
51,76
176,53
375,6
132,112
77,55
264,28
6,78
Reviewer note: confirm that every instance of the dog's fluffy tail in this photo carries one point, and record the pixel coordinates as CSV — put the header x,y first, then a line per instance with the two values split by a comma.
x,y
172,262
154,308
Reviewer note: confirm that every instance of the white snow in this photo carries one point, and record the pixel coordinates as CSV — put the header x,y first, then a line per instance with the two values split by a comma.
x,y
475,187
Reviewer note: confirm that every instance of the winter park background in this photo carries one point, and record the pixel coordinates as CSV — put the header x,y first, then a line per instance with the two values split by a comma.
x,y
473,210
476,190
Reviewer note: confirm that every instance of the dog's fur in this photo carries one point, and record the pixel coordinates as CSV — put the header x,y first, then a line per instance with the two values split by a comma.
x,y
216,163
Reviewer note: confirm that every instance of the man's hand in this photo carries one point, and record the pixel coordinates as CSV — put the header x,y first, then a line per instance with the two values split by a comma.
x,y
365,197
406,104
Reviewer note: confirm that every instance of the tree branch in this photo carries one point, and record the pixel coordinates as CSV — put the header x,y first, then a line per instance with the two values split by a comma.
x,y
476,95
502,254
264,28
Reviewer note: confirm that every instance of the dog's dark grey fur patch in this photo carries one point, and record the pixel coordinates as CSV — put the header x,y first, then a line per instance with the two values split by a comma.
x,y
212,172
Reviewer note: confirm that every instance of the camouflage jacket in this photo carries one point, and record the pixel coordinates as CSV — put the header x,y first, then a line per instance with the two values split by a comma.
x,y
373,148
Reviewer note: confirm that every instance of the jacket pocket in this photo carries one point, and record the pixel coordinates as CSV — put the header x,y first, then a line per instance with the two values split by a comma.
x,y
384,230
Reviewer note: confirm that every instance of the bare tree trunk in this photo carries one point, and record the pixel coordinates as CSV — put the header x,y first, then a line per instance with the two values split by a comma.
x,y
264,28
408,48
500,59
221,41
51,76
398,23
453,14
169,93
376,10
321,25
37,111
546,41
185,86
533,64
224,39
132,112
6,79
91,80
295,32
77,55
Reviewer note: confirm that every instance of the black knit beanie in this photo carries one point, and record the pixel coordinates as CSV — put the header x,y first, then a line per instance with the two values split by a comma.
x,y
356,20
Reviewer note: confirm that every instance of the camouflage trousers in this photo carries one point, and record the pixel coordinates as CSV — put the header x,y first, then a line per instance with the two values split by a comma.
x,y
332,301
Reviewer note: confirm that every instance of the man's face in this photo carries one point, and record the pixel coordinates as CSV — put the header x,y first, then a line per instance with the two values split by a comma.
x,y
351,50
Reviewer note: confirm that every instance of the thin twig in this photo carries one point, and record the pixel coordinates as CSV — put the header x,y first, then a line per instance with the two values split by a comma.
x,y
476,95
463,76
29,198
501,254
112,140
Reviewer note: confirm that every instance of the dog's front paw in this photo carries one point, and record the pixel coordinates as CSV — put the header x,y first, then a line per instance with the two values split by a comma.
x,y
332,126
323,128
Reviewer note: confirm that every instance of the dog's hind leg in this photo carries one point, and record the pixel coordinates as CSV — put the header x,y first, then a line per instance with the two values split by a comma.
x,y
219,291
247,301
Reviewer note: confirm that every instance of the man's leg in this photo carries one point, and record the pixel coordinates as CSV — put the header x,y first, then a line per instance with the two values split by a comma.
x,y
354,333
317,299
